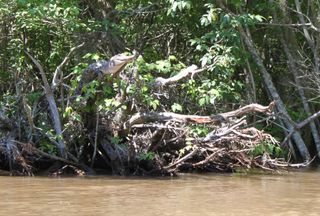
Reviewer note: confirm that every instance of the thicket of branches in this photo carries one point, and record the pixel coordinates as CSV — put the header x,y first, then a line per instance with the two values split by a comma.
x,y
190,100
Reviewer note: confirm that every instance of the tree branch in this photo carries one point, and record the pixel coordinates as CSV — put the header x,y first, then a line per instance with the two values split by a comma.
x,y
58,70
52,106
310,25
301,125
191,70
183,159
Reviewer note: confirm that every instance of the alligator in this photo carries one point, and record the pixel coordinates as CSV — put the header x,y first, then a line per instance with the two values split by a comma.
x,y
98,70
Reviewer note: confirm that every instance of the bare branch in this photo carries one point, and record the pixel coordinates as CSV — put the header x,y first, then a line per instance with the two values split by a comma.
x,y
58,70
53,107
214,136
54,157
310,25
301,125
180,161
207,159
191,70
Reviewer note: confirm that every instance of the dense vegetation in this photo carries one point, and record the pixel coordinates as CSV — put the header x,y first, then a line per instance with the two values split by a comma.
x,y
232,53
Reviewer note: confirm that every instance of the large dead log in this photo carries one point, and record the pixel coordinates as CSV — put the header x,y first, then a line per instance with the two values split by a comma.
x,y
142,118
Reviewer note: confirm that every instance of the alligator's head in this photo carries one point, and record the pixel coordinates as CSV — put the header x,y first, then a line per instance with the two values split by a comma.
x,y
117,62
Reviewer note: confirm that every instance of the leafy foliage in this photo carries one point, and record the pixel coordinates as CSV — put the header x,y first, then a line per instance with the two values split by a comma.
x,y
268,148
169,34
148,156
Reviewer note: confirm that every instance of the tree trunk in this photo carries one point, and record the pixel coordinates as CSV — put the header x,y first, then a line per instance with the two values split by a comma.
x,y
310,39
53,109
294,71
268,83
289,45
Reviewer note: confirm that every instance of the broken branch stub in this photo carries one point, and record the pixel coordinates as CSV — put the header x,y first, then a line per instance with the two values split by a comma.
x,y
160,81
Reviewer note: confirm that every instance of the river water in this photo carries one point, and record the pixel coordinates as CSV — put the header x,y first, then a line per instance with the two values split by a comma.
x,y
228,194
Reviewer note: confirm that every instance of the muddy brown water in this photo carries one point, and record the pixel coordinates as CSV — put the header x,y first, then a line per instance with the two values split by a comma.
x,y
229,194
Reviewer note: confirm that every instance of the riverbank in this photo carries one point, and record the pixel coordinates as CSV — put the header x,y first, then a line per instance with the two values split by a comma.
x,y
152,145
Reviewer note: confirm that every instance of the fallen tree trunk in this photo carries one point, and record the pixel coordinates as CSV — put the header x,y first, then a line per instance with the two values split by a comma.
x,y
142,118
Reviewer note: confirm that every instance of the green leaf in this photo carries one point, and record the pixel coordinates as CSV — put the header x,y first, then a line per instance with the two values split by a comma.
x,y
67,112
95,57
154,104
202,101
176,107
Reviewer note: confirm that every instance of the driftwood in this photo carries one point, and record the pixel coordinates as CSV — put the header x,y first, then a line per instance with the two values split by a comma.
x,y
226,147
144,118
215,136
180,161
